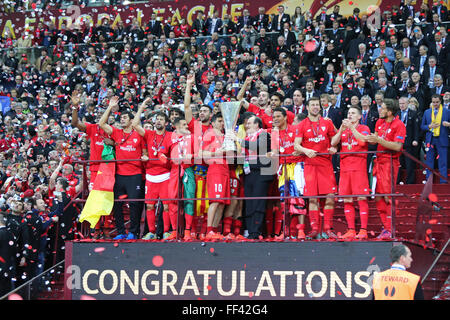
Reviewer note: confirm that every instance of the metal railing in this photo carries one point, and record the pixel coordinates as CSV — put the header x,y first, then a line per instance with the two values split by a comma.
x,y
32,282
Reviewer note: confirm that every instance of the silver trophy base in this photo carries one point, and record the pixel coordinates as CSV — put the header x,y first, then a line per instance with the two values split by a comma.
x,y
229,145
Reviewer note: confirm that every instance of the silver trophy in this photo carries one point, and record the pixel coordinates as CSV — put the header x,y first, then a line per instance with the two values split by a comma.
x,y
230,113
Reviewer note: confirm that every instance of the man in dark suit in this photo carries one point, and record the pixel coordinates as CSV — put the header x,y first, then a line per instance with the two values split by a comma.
x,y
407,10
199,25
335,34
280,19
369,112
407,50
439,49
228,27
441,10
7,253
244,20
154,26
414,93
354,20
362,88
213,24
419,38
389,91
310,91
439,87
328,112
335,16
421,61
298,105
436,135
430,70
407,31
261,20
288,35
341,102
322,17
411,144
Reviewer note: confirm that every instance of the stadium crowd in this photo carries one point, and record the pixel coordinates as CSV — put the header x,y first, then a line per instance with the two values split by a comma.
x,y
106,84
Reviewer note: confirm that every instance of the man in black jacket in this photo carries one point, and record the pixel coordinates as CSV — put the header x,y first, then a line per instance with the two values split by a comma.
x,y
411,145
7,254
258,174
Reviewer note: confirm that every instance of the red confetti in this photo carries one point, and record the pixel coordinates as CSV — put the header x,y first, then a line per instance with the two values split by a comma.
x,y
209,288
310,46
211,250
99,249
14,296
124,196
432,221
158,261
372,260
432,197
86,297
428,231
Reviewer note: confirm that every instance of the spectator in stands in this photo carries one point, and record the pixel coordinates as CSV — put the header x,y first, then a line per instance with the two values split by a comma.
x,y
435,123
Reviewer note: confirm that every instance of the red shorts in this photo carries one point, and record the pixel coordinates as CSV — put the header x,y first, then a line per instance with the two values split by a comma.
x,y
319,180
382,170
172,186
236,184
156,191
353,182
218,186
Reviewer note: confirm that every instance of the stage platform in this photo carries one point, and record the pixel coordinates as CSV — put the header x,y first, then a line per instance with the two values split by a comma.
x,y
136,270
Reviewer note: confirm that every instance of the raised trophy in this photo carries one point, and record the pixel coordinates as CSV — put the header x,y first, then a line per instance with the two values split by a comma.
x,y
230,113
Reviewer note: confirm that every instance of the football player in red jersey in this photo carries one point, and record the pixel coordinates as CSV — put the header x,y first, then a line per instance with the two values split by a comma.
x,y
128,145
353,178
157,169
290,172
218,176
390,133
314,136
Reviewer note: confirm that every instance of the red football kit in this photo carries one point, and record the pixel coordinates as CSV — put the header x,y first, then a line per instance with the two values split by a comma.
x,y
157,168
218,175
283,142
128,146
382,169
198,130
390,131
182,146
268,119
319,173
353,174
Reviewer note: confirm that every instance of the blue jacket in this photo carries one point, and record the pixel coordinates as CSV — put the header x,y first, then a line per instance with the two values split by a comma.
x,y
426,120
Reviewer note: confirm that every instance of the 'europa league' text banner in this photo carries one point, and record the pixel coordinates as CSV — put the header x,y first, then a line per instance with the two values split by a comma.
x,y
143,270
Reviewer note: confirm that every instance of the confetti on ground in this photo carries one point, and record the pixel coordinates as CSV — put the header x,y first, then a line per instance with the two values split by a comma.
x,y
99,249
